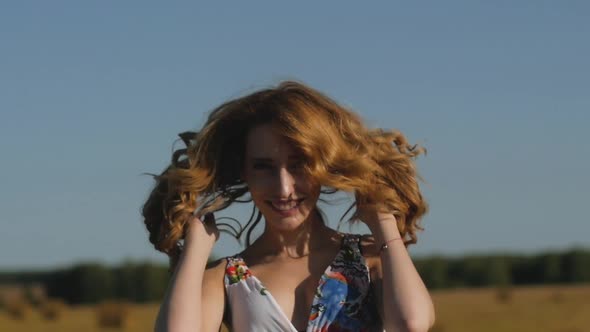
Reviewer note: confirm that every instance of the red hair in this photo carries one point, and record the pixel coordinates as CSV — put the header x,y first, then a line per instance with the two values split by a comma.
x,y
340,152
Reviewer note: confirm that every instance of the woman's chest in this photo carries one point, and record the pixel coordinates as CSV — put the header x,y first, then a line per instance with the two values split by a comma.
x,y
293,287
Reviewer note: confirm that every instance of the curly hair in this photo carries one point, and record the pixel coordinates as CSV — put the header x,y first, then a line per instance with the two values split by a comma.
x,y
340,152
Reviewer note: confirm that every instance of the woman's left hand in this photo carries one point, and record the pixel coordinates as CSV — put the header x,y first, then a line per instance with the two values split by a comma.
x,y
377,219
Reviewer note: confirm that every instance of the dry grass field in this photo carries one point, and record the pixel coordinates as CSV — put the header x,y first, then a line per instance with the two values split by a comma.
x,y
525,309
539,309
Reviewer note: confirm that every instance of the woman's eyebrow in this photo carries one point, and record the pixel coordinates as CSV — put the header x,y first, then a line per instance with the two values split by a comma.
x,y
261,159
267,159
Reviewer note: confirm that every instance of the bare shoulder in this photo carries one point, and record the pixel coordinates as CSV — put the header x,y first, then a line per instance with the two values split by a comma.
x,y
214,272
370,252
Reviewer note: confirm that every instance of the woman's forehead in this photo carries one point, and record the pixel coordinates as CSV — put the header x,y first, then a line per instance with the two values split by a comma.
x,y
265,141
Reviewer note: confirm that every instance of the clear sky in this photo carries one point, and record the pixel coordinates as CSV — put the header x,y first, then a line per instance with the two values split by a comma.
x,y
93,93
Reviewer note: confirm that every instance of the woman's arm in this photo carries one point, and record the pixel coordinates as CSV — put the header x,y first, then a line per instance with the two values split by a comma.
x,y
191,286
406,304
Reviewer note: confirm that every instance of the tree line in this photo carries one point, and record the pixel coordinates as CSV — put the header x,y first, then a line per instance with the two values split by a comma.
x,y
147,282
569,267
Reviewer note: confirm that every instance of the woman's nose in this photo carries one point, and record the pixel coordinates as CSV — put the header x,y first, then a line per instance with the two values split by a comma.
x,y
286,183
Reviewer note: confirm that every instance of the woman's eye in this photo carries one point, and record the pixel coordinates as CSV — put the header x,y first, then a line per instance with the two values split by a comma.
x,y
297,166
261,166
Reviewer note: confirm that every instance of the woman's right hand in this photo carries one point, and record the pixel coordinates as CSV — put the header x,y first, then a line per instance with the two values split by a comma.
x,y
201,230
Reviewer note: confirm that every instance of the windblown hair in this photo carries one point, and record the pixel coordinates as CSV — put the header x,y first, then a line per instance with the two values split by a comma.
x,y
339,152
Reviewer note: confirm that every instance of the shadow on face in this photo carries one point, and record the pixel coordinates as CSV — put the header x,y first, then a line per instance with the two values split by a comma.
x,y
274,173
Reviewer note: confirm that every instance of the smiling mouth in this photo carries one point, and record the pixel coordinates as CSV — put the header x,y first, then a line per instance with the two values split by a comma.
x,y
285,206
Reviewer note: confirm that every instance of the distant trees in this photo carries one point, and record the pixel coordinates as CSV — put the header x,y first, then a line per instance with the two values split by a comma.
x,y
94,282
142,282
472,271
147,282
435,271
572,266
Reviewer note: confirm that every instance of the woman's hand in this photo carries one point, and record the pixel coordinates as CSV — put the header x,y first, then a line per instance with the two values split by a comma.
x,y
381,222
202,231
370,212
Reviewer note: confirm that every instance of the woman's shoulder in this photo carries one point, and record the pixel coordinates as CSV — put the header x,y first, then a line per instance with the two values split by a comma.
x,y
369,250
365,242
215,270
219,266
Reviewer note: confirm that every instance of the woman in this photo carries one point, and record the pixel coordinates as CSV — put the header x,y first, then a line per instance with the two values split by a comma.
x,y
280,148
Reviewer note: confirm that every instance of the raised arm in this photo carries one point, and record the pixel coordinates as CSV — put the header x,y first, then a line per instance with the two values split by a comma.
x,y
192,285
406,303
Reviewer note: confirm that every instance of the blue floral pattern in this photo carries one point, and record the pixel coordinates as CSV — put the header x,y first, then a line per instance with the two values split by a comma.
x,y
343,300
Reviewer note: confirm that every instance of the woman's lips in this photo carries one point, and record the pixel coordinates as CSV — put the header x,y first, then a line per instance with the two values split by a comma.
x,y
286,208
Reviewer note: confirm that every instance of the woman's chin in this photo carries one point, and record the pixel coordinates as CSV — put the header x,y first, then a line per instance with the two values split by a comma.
x,y
286,221
286,224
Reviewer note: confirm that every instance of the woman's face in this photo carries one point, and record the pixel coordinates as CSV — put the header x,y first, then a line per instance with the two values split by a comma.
x,y
279,187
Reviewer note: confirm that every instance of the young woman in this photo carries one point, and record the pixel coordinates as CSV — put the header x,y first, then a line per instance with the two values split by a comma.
x,y
280,148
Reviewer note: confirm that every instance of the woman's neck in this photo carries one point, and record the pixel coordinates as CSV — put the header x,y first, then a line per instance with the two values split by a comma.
x,y
310,236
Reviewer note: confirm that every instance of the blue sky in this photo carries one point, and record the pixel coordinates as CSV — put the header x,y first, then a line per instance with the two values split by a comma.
x,y
92,95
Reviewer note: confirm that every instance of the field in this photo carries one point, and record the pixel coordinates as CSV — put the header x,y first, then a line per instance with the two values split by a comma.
x,y
539,309
545,309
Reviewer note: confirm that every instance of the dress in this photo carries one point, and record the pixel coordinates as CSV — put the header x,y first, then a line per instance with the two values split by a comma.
x,y
343,299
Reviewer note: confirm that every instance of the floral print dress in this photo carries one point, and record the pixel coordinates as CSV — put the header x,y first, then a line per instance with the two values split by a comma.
x,y
342,302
